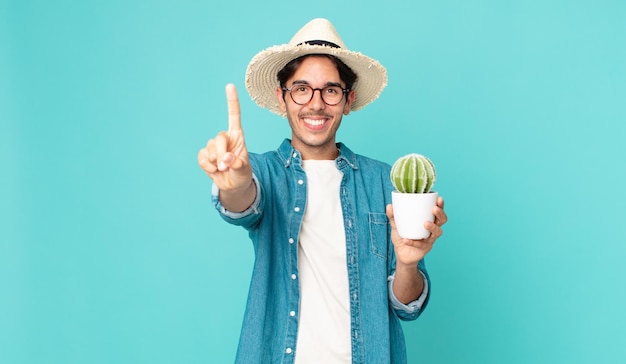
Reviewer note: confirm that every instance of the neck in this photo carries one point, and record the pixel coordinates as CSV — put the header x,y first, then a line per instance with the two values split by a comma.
x,y
319,153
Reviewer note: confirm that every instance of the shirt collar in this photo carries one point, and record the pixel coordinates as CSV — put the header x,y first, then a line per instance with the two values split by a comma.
x,y
291,155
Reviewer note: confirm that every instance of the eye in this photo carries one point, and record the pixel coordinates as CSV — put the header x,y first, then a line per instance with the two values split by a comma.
x,y
301,89
334,90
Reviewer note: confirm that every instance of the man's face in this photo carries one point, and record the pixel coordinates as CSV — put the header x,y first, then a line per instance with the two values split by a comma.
x,y
314,124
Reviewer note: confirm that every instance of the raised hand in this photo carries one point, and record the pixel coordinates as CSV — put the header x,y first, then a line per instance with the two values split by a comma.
x,y
225,157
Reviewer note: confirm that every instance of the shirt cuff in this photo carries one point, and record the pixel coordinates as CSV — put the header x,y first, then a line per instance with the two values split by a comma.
x,y
413,306
254,208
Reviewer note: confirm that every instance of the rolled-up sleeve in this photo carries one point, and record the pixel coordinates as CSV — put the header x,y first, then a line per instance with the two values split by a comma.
x,y
413,309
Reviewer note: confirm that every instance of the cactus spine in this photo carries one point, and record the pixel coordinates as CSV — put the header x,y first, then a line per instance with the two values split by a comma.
x,y
413,173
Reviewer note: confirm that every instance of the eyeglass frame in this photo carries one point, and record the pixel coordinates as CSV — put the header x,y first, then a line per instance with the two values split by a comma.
x,y
343,92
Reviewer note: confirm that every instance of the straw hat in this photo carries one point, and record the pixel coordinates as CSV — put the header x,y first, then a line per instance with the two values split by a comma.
x,y
317,37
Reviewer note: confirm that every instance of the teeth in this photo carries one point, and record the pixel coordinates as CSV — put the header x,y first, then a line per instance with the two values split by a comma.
x,y
314,122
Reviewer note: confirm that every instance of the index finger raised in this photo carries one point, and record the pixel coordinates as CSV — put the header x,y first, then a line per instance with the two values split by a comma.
x,y
234,113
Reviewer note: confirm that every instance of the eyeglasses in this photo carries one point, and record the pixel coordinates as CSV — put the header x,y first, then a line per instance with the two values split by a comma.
x,y
303,94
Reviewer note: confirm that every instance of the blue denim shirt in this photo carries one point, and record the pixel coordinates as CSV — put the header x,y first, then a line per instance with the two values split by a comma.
x,y
273,221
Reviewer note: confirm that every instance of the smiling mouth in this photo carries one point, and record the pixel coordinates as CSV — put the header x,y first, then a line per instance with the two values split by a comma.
x,y
314,122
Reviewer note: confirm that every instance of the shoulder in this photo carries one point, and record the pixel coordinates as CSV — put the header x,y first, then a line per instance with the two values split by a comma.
x,y
372,163
277,156
360,161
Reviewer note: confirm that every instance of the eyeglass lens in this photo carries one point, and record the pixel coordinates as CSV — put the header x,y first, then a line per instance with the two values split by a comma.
x,y
302,94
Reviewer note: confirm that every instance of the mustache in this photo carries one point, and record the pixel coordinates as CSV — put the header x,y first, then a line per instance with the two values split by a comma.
x,y
315,114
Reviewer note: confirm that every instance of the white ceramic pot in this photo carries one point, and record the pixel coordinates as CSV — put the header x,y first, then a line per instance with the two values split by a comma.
x,y
411,210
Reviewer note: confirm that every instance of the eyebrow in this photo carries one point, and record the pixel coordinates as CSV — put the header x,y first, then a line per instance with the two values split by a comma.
x,y
303,82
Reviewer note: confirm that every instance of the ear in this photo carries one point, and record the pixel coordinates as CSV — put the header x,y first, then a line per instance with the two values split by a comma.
x,y
349,100
281,100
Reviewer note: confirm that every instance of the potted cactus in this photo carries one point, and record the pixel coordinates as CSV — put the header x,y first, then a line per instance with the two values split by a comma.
x,y
413,176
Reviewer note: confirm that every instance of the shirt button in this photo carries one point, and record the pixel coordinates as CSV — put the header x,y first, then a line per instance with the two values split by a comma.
x,y
300,181
296,209
292,313
294,154
288,351
293,276
290,240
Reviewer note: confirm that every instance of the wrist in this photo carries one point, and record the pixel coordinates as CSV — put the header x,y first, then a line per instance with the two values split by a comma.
x,y
406,268
238,190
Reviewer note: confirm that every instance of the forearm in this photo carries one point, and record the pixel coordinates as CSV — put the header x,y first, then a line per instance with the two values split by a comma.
x,y
408,283
240,199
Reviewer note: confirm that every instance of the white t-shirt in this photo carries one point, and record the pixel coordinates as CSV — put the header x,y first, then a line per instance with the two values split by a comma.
x,y
324,319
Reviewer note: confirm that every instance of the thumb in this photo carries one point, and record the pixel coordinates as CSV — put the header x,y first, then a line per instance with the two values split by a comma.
x,y
226,162
392,221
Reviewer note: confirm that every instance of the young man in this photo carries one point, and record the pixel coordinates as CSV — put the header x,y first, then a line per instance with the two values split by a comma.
x,y
331,277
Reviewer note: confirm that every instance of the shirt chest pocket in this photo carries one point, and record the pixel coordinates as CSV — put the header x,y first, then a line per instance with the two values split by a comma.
x,y
379,234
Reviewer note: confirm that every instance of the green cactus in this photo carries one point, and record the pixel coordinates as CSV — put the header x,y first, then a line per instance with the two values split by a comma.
x,y
413,173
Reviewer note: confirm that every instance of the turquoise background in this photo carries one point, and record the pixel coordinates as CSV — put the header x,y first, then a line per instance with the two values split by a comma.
x,y
110,251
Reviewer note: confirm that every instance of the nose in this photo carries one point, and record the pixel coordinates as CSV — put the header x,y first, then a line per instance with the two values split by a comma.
x,y
317,103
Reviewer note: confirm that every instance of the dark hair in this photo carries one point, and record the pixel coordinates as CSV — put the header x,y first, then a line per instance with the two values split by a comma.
x,y
346,74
